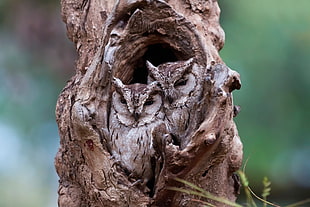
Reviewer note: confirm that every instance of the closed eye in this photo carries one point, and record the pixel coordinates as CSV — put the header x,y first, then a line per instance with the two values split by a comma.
x,y
123,101
148,102
181,82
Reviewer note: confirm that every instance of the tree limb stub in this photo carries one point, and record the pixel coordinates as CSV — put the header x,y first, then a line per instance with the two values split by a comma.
x,y
116,39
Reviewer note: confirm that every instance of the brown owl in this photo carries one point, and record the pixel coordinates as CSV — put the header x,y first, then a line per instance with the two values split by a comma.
x,y
182,85
136,109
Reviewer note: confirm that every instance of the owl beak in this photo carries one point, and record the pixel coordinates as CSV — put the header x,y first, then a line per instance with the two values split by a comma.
x,y
136,116
170,99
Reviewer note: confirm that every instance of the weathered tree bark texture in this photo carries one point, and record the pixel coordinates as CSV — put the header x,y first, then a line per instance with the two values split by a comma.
x,y
115,38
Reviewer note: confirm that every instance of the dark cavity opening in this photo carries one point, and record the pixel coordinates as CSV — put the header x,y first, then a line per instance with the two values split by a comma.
x,y
160,53
156,54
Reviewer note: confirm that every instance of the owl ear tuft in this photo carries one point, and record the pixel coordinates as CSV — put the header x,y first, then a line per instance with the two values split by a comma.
x,y
153,70
150,66
187,64
117,83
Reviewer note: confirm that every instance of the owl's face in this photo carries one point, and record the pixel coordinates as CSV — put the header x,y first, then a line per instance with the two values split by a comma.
x,y
136,104
176,79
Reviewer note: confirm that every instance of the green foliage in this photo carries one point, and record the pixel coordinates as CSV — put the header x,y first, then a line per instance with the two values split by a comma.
x,y
266,189
268,43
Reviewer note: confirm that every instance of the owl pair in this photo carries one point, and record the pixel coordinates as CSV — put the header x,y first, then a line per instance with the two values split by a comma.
x,y
170,97
174,89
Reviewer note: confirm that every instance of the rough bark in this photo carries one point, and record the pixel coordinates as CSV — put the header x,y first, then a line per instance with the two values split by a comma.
x,y
115,38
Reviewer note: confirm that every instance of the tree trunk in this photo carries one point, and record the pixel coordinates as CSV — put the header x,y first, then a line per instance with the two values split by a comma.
x,y
115,39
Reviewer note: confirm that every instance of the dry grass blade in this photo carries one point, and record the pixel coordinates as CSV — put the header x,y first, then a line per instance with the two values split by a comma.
x,y
299,203
202,193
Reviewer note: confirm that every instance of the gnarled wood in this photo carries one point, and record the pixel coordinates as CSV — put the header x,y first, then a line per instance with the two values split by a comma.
x,y
115,38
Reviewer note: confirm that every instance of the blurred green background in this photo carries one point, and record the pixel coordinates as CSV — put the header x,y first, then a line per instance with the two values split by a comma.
x,y
267,42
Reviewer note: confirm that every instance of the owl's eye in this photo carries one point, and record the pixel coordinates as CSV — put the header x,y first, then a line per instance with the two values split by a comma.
x,y
181,82
148,102
123,101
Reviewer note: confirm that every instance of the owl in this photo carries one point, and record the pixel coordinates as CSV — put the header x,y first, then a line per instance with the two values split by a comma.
x,y
136,110
182,85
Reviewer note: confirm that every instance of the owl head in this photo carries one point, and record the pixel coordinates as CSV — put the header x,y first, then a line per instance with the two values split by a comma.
x,y
136,104
177,79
